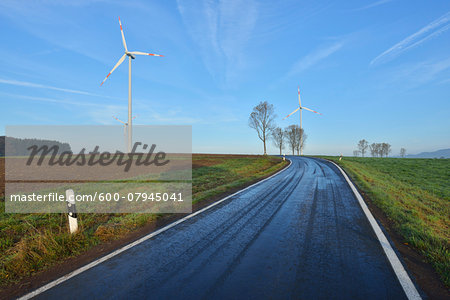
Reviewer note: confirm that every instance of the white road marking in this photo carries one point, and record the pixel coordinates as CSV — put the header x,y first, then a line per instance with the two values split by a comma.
x,y
139,241
403,277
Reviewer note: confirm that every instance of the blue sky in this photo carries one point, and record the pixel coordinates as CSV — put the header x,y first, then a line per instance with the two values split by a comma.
x,y
378,70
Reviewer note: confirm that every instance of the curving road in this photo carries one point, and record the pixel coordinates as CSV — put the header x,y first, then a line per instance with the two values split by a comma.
x,y
300,234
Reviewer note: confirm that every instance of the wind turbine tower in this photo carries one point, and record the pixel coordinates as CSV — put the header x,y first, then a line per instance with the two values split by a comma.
x,y
125,128
131,55
300,107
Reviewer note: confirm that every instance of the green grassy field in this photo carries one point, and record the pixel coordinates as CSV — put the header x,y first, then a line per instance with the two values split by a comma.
x,y
415,195
30,243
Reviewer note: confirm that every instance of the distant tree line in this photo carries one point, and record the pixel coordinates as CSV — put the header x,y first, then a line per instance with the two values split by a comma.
x,y
376,149
19,147
380,149
262,120
292,135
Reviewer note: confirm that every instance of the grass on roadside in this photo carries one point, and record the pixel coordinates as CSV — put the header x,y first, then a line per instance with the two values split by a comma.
x,y
33,242
415,195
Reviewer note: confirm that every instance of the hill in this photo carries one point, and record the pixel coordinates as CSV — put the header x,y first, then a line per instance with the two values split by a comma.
x,y
443,153
19,146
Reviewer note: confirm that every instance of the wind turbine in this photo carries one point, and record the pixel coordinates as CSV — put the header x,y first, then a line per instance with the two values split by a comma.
x,y
125,127
131,55
300,107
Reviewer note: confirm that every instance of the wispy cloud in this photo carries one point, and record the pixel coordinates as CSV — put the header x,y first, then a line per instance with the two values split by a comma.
x,y
445,81
45,52
422,72
56,100
374,4
102,113
98,112
159,118
48,87
221,30
41,86
433,29
313,58
414,74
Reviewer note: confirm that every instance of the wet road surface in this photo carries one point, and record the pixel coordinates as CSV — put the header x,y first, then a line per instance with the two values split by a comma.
x,y
300,234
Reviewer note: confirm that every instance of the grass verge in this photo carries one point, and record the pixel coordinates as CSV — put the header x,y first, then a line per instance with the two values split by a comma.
x,y
30,243
415,196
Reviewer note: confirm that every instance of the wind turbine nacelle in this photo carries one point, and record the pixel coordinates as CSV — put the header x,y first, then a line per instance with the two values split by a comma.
x,y
131,55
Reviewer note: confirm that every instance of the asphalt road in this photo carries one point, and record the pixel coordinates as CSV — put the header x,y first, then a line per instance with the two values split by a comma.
x,y
300,234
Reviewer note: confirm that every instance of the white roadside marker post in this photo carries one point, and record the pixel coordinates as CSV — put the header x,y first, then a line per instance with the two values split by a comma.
x,y
73,221
284,156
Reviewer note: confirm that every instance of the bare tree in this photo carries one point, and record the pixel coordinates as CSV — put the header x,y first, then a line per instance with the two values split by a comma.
x,y
375,149
301,137
380,151
385,149
362,146
278,137
355,153
262,120
402,152
291,136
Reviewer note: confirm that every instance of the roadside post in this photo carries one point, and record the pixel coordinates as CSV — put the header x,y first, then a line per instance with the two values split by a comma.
x,y
284,156
73,221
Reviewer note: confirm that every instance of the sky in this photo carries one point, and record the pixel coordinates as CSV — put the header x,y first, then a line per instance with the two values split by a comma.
x,y
377,70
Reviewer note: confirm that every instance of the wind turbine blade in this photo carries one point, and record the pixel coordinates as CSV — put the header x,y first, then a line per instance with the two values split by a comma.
x,y
299,101
119,120
312,110
123,37
291,113
118,63
143,53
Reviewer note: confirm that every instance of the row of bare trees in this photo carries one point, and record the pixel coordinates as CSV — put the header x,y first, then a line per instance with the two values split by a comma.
x,y
380,149
291,135
376,149
262,119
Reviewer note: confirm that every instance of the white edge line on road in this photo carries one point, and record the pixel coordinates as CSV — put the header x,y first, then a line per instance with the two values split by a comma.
x,y
137,242
406,283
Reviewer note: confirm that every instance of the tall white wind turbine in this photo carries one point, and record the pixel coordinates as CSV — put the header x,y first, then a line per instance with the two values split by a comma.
x,y
131,55
300,107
